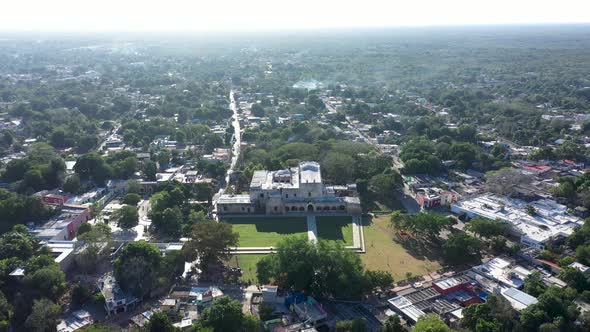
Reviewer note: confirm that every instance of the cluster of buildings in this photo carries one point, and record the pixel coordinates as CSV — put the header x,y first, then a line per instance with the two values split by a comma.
x,y
294,190
183,304
448,296
536,223
429,193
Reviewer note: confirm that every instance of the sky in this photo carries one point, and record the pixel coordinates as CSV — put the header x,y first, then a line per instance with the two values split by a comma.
x,y
272,15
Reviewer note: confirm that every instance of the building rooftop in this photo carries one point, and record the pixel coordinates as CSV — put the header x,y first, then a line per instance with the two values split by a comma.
x,y
234,199
518,299
501,270
581,267
550,219
309,172
112,292
451,282
305,172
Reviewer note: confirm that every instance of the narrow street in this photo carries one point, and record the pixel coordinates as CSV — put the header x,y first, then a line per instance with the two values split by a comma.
x,y
237,141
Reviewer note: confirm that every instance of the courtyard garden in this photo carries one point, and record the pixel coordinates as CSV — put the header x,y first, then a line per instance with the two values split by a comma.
x,y
335,228
266,232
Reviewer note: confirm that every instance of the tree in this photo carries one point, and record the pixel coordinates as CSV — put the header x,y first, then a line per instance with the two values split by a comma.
x,y
133,186
496,314
33,178
5,313
533,284
426,225
137,268
251,323
131,199
159,322
49,281
210,242
92,246
381,280
461,249
81,294
265,311
575,279
355,325
18,243
225,314
583,254
530,210
506,181
486,228
464,153
555,303
44,316
431,323
466,133
325,269
383,185
393,324
163,158
91,166
337,167
72,184
126,217
257,110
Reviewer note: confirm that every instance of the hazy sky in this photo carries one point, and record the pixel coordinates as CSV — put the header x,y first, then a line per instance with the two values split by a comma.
x,y
232,15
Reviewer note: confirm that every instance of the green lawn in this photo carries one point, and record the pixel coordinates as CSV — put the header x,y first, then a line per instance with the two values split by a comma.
x,y
266,232
335,228
248,265
385,253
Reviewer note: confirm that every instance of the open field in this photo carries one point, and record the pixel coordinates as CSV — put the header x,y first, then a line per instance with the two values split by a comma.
x,y
266,232
248,265
384,253
335,228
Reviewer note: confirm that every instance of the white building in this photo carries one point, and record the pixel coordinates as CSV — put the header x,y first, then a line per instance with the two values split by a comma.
x,y
291,191
549,222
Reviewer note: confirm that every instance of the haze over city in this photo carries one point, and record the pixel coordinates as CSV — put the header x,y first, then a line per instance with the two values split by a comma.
x,y
295,166
257,15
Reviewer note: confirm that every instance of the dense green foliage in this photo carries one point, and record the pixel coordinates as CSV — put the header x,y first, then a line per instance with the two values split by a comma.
x,y
140,268
325,269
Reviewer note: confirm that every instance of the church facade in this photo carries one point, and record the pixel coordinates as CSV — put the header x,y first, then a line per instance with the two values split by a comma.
x,y
292,191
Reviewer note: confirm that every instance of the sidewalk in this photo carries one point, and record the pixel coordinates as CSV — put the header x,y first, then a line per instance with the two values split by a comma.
x,y
312,229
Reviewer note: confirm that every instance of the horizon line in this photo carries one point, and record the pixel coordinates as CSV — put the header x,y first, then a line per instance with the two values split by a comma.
x,y
293,29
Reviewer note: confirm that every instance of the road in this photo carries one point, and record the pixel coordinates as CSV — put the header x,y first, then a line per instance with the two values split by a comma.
x,y
237,139
115,129
405,196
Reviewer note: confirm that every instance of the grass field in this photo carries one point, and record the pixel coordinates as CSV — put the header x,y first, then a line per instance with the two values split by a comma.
x,y
266,232
335,228
383,253
248,265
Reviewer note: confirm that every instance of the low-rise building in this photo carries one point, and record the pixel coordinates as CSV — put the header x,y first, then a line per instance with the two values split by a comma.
x,y
64,226
76,321
116,300
432,197
536,223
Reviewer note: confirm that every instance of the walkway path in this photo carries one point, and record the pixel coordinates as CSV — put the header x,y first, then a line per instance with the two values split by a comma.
x,y
312,229
358,238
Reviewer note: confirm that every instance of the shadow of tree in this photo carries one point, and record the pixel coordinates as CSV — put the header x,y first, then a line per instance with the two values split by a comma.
x,y
420,248
281,226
